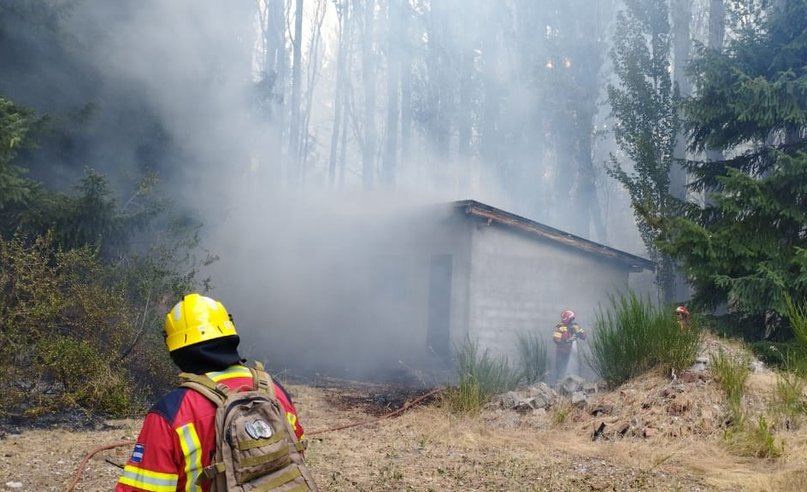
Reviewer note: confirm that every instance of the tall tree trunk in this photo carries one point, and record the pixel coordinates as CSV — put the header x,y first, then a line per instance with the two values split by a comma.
x,y
681,18
589,57
276,68
296,88
406,89
369,81
440,82
342,13
313,72
394,37
465,120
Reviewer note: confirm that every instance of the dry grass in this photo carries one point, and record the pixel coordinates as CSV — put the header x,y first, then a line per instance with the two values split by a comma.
x,y
430,449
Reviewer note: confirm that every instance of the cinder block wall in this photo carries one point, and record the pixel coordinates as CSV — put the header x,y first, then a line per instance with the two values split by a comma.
x,y
522,282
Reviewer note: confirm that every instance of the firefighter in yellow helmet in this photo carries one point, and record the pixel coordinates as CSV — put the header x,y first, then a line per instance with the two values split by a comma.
x,y
178,437
565,334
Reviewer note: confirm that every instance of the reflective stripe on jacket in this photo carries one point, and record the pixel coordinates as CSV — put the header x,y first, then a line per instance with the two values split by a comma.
x,y
178,437
565,335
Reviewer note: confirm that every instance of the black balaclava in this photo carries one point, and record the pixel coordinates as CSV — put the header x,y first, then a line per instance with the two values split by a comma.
x,y
212,355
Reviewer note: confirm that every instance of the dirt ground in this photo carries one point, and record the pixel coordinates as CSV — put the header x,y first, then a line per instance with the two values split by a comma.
x,y
658,434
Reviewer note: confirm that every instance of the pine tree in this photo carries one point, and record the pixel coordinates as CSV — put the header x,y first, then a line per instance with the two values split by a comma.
x,y
746,247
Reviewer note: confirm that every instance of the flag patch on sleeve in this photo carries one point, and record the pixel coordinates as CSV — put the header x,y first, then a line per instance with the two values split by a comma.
x,y
137,454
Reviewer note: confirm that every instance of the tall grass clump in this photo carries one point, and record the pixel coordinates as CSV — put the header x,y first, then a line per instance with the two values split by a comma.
x,y
754,440
480,377
532,355
632,336
790,400
731,371
797,316
790,383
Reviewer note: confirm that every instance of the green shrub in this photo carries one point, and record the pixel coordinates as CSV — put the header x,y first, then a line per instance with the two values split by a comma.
x,y
797,316
561,412
777,354
731,371
532,355
756,441
632,336
75,330
790,400
467,397
480,377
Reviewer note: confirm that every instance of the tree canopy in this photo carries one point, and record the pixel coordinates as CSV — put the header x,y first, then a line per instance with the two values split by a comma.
x,y
745,248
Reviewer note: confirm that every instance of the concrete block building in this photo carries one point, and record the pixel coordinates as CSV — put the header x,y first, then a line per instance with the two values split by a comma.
x,y
383,295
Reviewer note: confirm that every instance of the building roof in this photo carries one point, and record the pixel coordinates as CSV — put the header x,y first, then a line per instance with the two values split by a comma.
x,y
497,216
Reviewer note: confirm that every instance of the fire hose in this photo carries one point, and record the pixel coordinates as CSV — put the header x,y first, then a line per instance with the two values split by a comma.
x,y
77,477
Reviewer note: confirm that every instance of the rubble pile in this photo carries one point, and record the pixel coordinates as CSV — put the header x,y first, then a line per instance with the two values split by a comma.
x,y
671,405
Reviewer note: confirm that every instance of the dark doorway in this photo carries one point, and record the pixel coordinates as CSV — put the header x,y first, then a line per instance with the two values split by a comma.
x,y
440,304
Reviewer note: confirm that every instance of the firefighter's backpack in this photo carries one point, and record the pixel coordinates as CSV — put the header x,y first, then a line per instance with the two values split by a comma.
x,y
256,447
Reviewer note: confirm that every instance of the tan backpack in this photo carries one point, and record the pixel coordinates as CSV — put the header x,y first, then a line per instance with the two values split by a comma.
x,y
256,447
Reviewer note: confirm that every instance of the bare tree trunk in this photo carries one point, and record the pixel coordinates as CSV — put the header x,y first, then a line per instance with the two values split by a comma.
x,y
465,121
586,69
313,73
440,84
296,88
369,81
678,289
681,16
276,68
348,111
342,13
406,89
394,37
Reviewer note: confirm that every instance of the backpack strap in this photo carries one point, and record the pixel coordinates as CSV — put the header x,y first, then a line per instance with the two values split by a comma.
x,y
214,392
261,380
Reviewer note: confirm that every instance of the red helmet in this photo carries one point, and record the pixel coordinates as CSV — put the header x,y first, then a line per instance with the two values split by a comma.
x,y
682,310
566,316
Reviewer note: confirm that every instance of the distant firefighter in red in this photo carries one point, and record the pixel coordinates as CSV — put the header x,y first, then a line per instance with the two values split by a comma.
x,y
682,314
564,336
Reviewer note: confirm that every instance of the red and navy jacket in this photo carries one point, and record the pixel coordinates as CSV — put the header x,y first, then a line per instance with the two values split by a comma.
x,y
178,437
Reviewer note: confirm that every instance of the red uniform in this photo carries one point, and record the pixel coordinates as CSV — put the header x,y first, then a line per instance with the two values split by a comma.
x,y
178,437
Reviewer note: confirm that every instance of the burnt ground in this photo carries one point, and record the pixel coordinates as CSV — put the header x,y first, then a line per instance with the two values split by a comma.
x,y
378,401
75,419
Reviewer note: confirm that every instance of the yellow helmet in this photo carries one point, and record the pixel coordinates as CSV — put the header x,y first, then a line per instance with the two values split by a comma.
x,y
196,319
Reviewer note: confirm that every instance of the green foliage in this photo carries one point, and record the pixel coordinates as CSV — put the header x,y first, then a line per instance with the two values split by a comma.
x,y
731,371
82,375
75,330
790,401
15,126
467,397
756,441
532,355
480,377
644,107
797,317
61,313
632,336
91,216
561,412
777,354
745,247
